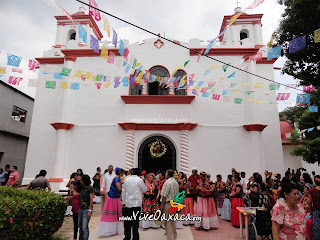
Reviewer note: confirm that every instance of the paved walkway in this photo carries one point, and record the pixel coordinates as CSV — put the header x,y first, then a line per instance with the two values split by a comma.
x,y
225,231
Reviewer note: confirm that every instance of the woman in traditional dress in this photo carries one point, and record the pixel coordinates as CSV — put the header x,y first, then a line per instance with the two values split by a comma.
x,y
109,223
182,182
221,187
226,208
149,201
188,202
205,204
236,200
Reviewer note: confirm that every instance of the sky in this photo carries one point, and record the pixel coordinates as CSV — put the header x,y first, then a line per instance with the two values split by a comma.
x,y
29,27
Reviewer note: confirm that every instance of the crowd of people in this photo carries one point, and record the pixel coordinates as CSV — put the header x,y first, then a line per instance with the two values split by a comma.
x,y
292,200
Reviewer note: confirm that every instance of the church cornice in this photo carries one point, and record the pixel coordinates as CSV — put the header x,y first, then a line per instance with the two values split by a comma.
x,y
157,99
226,51
158,126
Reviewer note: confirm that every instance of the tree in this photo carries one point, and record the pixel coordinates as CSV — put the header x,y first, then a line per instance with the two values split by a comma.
x,y
302,17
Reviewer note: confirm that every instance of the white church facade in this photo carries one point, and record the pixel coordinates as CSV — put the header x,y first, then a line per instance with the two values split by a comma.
x,y
121,126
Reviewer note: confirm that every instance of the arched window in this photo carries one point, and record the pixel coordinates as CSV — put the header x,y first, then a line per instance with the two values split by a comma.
x,y
72,35
244,33
153,87
180,73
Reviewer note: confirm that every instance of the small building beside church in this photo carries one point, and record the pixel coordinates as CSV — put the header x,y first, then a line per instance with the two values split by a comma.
x,y
147,124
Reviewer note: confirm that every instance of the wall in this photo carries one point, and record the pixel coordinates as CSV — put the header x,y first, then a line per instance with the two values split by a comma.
x,y
14,134
217,144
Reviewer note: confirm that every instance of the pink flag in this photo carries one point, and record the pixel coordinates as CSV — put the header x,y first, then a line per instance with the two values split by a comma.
x,y
111,57
191,76
283,96
255,4
33,64
18,70
98,85
94,12
216,97
255,57
308,88
69,16
15,80
200,54
126,54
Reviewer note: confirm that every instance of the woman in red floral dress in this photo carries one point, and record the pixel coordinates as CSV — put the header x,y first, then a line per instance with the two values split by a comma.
x,y
149,201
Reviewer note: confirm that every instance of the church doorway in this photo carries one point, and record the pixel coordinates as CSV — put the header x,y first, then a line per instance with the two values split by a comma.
x,y
157,153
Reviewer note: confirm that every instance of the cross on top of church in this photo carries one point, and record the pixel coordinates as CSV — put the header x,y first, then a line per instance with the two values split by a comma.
x,y
237,2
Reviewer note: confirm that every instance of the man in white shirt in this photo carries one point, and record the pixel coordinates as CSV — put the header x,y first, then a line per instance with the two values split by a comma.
x,y
107,180
132,192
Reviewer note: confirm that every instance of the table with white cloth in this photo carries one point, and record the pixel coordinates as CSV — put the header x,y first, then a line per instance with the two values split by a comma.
x,y
247,212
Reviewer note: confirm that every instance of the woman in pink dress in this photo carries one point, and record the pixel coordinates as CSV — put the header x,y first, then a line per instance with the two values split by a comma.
x,y
205,204
288,217
188,202
110,224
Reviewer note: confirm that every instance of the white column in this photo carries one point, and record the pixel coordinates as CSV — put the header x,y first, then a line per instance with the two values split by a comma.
x,y
60,157
145,89
184,159
129,161
58,35
256,34
257,163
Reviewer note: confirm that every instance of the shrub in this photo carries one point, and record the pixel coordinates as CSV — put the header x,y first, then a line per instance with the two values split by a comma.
x,y
26,214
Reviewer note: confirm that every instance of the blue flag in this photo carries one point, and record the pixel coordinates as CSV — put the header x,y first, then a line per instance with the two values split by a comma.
x,y
139,68
205,94
57,76
125,79
313,108
206,72
128,68
212,42
126,84
297,44
115,38
121,48
82,33
94,44
303,98
274,52
14,60
75,86
232,75
200,83
226,91
311,129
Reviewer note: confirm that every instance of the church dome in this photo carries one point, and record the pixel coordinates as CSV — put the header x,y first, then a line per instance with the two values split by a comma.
x,y
285,127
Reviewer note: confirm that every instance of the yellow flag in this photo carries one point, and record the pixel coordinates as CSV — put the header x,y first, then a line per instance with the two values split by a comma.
x,y
214,66
2,70
235,91
140,74
235,17
250,100
106,25
304,130
247,84
93,77
104,52
258,85
106,85
138,64
222,78
64,85
87,75
196,87
78,74
269,44
139,80
183,79
317,36
147,75
176,69
259,101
